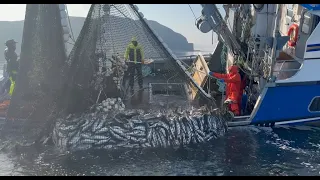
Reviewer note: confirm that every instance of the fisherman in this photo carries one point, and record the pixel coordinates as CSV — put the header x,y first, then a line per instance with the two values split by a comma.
x,y
244,101
233,81
12,63
135,58
244,78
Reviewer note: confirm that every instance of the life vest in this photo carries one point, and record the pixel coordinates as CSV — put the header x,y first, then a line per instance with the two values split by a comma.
x,y
13,83
294,28
134,53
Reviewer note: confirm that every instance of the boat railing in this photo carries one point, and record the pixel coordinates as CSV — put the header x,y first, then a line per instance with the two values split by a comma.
x,y
187,57
285,69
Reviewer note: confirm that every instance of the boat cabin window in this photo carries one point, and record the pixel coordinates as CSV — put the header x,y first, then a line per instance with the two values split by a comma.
x,y
315,105
290,10
306,23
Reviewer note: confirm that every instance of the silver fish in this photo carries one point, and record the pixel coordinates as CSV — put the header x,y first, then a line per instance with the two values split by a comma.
x,y
178,130
200,124
122,144
102,141
99,137
75,139
102,130
84,147
87,126
117,136
194,140
183,132
137,133
161,139
87,122
201,133
88,141
155,139
194,124
108,147
72,133
172,131
146,145
117,129
136,121
60,134
133,139
141,128
68,128
96,125
199,138
85,135
165,137
158,137
149,135
188,133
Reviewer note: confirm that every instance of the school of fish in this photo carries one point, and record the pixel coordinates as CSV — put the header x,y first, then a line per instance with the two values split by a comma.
x,y
122,128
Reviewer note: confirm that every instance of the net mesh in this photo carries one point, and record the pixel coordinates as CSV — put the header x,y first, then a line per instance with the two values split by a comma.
x,y
98,69
41,60
104,101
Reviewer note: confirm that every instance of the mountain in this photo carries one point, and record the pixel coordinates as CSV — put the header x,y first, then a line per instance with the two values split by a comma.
x,y
14,29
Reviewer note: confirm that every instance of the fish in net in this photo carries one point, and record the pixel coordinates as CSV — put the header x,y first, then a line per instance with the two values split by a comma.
x,y
106,76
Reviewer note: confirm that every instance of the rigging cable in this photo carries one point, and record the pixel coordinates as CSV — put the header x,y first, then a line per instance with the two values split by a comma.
x,y
192,12
70,25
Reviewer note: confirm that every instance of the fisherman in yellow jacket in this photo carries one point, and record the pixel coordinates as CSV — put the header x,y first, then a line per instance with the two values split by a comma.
x,y
12,63
135,58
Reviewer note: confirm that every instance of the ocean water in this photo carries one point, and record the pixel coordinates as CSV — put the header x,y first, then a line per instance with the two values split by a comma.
x,y
251,150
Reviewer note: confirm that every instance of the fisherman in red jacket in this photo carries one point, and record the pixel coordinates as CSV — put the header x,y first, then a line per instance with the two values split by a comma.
x,y
233,81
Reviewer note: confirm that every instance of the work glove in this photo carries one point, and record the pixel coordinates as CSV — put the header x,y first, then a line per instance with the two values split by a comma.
x,y
211,73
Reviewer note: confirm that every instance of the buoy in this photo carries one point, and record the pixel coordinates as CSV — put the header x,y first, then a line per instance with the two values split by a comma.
x,y
65,30
294,28
65,37
64,22
62,7
136,7
63,14
141,14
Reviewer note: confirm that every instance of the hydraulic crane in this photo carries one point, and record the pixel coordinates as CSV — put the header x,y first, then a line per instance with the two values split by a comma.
x,y
211,19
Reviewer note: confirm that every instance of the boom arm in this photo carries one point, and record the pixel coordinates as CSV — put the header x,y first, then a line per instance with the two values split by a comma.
x,y
211,19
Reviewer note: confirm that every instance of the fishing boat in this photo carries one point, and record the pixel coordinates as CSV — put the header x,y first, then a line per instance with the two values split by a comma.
x,y
282,67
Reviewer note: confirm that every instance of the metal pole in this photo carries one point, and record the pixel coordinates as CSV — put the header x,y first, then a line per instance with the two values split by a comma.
x,y
274,46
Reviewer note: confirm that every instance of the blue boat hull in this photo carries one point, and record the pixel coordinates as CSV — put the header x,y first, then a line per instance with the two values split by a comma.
x,y
286,104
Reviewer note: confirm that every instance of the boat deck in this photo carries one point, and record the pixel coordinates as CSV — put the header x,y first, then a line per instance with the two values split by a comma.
x,y
156,92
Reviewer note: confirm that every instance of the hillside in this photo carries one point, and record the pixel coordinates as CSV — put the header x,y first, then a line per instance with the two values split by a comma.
x,y
175,41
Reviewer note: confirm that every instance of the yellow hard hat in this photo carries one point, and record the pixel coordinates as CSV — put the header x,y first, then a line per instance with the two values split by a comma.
x,y
134,38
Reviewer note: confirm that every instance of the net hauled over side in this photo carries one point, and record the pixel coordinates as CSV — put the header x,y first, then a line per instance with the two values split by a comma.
x,y
100,78
42,59
98,69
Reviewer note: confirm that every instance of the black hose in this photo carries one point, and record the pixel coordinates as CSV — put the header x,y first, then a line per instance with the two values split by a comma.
x,y
258,7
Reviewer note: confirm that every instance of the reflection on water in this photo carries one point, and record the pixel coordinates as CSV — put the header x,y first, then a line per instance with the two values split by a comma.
x,y
243,151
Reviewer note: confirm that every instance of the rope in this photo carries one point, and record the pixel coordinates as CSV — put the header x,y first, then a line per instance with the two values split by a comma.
x,y
192,12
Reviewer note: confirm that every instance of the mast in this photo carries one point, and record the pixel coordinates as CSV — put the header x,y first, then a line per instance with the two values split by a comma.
x,y
275,34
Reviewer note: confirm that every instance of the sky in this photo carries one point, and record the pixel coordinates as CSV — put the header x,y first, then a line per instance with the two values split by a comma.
x,y
178,17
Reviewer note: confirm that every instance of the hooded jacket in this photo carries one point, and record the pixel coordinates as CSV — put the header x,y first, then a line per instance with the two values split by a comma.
x,y
233,82
134,53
